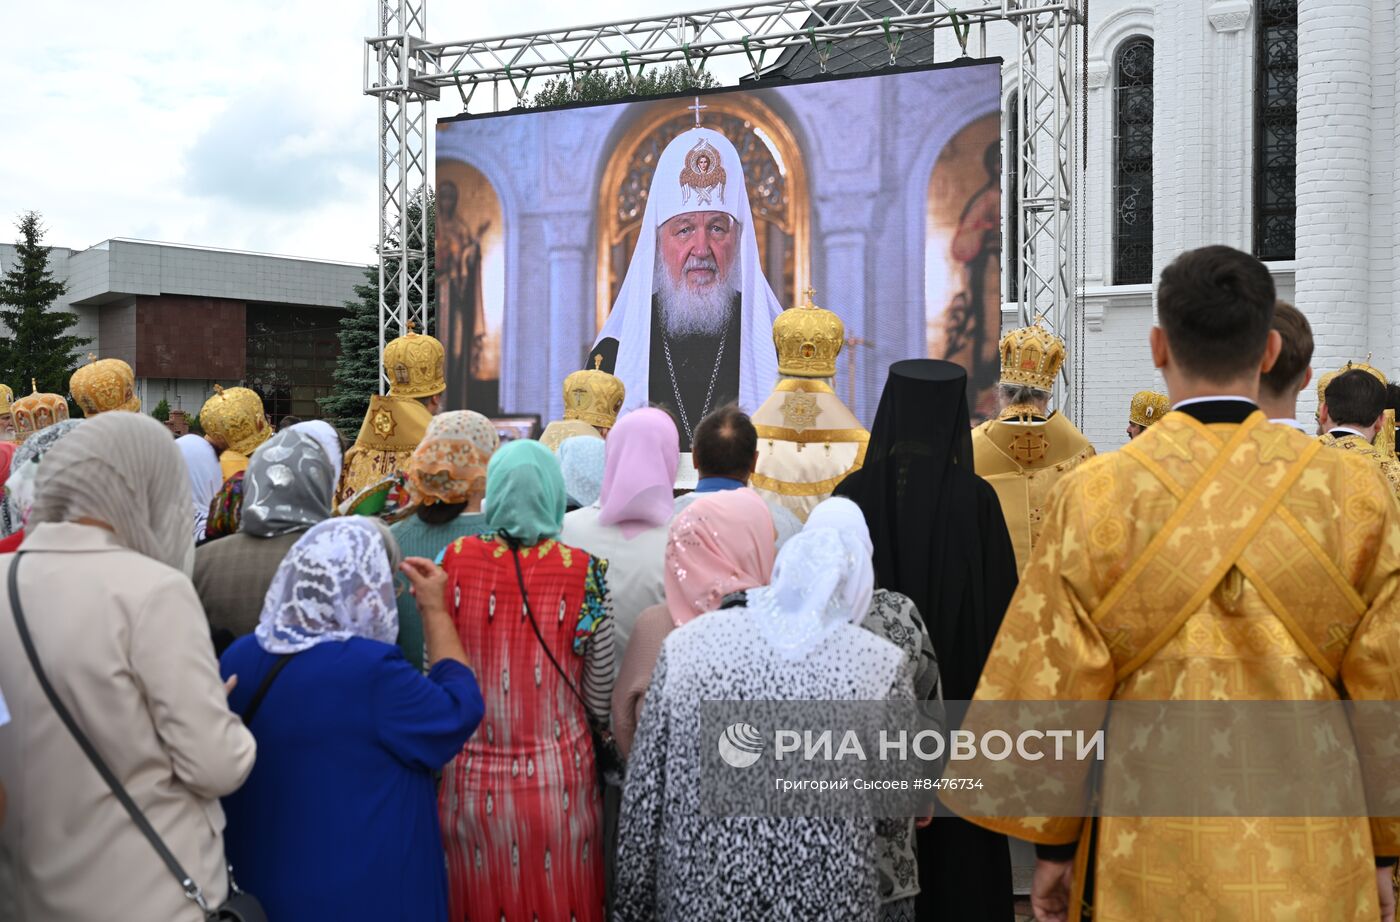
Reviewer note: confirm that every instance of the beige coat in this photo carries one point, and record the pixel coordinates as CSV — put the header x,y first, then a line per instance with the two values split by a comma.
x,y
125,643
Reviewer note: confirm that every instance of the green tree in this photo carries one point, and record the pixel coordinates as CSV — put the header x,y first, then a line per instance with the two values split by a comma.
x,y
357,367
162,411
613,84
34,344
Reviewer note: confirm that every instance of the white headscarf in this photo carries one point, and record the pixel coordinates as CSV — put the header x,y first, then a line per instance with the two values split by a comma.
x,y
24,471
823,578
122,469
328,438
334,584
630,320
206,477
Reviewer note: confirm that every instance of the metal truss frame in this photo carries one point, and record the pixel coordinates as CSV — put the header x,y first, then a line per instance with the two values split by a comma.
x,y
403,70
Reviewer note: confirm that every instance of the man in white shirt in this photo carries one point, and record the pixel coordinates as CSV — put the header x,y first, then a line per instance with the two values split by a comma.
x,y
1280,386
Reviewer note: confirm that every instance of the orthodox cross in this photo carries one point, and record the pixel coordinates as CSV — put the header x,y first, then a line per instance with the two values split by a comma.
x,y
697,109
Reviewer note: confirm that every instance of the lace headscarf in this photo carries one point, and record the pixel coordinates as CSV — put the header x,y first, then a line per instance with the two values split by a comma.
x,y
524,492
334,584
206,477
823,578
721,543
639,475
582,461
24,468
449,465
289,486
122,469
328,438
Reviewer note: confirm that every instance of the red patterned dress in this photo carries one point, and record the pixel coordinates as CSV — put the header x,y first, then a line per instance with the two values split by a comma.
x,y
520,807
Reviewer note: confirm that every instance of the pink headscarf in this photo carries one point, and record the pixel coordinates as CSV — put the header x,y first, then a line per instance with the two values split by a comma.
x,y
639,474
721,543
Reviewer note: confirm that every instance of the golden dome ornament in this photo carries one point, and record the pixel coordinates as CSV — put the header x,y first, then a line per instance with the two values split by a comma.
x,y
808,340
413,364
593,396
103,385
236,416
37,411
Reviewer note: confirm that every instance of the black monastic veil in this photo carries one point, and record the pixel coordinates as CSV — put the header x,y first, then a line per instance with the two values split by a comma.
x,y
940,539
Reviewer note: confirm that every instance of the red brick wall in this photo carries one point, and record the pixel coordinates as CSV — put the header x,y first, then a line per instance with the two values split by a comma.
x,y
178,336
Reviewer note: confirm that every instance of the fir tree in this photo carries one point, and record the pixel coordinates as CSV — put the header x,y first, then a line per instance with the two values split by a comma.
x,y
357,367
162,411
34,344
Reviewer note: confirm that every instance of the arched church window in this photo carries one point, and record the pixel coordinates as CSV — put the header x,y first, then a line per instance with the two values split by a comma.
x,y
773,174
1276,129
471,288
1132,163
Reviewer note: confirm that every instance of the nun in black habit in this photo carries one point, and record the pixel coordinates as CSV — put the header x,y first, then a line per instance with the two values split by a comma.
x,y
941,540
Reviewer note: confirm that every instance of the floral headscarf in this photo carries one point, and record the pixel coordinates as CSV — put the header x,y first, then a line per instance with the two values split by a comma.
x,y
449,465
24,469
721,543
334,584
289,486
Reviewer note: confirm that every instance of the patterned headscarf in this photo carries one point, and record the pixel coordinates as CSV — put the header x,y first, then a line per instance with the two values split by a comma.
x,y
289,486
582,461
449,465
226,509
24,470
122,469
721,543
524,492
334,584
639,476
206,477
823,578
329,439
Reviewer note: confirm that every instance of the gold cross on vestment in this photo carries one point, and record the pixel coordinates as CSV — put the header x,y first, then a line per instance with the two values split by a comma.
x,y
697,109
1255,888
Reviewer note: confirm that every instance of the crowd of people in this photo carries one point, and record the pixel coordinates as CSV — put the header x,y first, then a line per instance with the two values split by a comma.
x,y
432,675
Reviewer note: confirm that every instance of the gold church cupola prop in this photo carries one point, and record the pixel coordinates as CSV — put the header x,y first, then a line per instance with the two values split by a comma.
x,y
1031,357
808,340
593,396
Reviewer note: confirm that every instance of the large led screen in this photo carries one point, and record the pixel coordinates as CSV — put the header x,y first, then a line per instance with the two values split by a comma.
x,y
658,238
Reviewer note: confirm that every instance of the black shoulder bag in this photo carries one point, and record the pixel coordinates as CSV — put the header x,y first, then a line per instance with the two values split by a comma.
x,y
240,906
611,764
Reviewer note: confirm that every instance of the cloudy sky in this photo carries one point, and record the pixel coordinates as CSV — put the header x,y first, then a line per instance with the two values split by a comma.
x,y
226,123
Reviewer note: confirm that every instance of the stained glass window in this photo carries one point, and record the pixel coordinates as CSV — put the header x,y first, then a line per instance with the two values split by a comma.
x,y
1011,246
1132,164
1276,129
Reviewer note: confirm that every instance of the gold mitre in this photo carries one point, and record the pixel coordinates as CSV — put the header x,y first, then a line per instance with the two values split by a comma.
x,y
808,339
104,384
1349,366
413,364
7,397
236,416
594,396
37,411
1147,407
1031,357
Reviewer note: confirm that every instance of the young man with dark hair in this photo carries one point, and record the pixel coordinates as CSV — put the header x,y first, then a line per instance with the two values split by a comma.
x,y
1160,567
1292,370
725,450
1351,413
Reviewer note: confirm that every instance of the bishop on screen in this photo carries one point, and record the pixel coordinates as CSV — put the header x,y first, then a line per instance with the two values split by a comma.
x,y
691,327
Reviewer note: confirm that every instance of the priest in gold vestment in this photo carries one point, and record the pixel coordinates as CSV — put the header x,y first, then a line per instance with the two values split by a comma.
x,y
592,400
234,418
395,422
808,441
1352,416
1218,557
1144,409
1026,450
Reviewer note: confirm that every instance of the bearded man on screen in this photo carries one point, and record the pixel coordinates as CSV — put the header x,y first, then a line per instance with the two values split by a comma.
x,y
690,328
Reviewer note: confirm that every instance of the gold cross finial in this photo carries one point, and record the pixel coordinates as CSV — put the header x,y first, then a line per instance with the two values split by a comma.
x,y
598,361
697,108
409,327
218,388
92,356
1039,317
34,383
809,293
